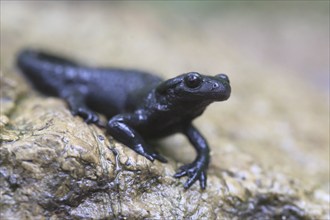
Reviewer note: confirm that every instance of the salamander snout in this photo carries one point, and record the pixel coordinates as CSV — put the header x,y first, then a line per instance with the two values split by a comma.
x,y
221,87
223,77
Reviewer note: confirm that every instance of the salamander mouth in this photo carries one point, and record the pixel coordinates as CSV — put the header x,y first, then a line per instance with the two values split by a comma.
x,y
218,95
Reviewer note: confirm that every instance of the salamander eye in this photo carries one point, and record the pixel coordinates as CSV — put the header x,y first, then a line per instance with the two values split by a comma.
x,y
193,80
223,76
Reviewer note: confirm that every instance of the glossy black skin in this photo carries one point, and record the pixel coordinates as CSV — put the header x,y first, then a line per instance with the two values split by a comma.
x,y
139,106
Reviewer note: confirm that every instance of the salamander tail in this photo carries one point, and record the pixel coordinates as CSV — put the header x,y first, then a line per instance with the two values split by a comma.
x,y
30,61
41,68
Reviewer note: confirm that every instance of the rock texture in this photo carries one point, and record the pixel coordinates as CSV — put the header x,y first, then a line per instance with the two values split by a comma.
x,y
269,148
54,165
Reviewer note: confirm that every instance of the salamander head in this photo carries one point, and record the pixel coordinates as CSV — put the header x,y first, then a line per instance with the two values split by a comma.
x,y
195,87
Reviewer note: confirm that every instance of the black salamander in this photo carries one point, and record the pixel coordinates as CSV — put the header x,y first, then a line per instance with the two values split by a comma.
x,y
140,106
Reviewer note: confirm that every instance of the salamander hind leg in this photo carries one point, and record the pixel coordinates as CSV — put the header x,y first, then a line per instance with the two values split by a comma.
x,y
77,105
88,115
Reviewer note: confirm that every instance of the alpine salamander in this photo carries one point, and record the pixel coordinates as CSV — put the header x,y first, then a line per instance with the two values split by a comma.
x,y
140,106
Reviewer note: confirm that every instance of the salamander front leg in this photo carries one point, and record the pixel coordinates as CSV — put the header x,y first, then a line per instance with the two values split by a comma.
x,y
120,127
198,168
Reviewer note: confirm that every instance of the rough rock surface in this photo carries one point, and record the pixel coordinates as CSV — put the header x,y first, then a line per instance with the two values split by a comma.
x,y
269,151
